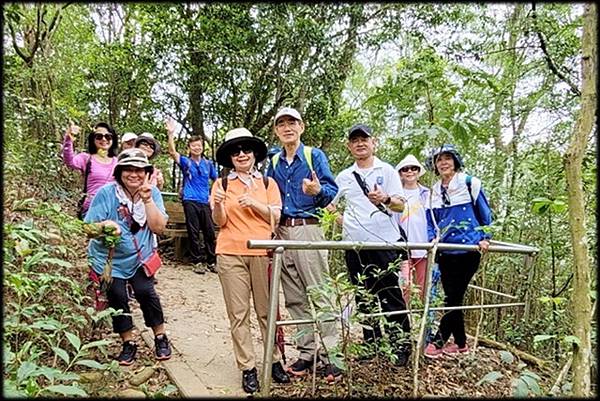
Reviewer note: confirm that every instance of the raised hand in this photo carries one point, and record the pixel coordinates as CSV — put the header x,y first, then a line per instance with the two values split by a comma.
x,y
377,196
170,126
311,187
145,189
72,130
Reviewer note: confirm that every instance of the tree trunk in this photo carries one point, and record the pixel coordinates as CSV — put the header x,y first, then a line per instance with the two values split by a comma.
x,y
581,302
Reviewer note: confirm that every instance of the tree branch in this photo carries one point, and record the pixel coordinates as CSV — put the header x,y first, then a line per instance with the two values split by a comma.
x,y
547,57
13,35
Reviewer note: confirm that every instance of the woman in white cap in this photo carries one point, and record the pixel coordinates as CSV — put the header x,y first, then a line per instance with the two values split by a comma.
x,y
245,205
413,221
135,210
151,147
128,140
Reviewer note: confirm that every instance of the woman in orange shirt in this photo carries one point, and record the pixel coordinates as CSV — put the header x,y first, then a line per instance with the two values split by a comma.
x,y
244,208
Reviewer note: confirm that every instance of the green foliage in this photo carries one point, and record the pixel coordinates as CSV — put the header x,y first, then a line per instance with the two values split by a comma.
x,y
45,307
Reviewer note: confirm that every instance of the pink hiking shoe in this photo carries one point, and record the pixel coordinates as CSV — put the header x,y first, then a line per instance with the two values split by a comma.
x,y
453,349
431,351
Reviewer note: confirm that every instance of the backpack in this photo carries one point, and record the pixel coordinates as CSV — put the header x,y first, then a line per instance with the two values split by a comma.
x,y
307,156
469,188
81,201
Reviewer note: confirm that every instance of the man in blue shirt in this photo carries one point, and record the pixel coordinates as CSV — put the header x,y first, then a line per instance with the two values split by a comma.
x,y
306,184
197,171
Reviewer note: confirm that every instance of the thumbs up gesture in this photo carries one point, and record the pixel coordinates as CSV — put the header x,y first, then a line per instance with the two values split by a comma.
x,y
145,190
377,196
245,200
219,193
311,187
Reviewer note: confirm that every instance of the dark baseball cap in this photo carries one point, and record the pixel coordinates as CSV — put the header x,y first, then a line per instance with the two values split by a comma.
x,y
360,129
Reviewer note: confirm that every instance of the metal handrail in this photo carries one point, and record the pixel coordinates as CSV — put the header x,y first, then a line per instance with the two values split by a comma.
x,y
279,245
363,245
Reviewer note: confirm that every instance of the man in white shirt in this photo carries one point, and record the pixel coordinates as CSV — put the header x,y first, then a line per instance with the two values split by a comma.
x,y
372,190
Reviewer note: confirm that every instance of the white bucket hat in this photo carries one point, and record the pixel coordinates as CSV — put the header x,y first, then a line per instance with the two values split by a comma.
x,y
410,160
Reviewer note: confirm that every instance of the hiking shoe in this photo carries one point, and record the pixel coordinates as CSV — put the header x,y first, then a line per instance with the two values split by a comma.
x,y
250,381
431,351
453,349
402,357
199,268
300,367
162,349
127,355
278,374
332,373
211,267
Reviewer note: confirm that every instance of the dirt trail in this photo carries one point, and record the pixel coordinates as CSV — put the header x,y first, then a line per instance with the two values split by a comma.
x,y
198,328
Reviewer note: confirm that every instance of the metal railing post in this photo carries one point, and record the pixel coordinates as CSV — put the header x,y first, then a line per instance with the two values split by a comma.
x,y
422,329
271,322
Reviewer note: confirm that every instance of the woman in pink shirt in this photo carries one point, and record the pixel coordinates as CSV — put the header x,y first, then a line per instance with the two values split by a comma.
x,y
99,160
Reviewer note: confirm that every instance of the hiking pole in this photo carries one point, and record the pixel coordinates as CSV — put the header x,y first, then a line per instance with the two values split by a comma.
x,y
271,321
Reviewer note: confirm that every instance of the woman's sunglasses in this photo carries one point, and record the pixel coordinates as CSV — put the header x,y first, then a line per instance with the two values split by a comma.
x,y
445,197
409,168
99,136
237,152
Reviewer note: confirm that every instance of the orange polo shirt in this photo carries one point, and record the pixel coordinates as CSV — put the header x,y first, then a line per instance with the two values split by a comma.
x,y
244,223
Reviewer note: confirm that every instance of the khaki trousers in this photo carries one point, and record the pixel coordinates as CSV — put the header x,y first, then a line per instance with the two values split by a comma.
x,y
303,269
242,276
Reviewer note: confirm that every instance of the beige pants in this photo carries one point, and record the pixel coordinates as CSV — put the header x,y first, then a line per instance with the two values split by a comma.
x,y
301,270
241,276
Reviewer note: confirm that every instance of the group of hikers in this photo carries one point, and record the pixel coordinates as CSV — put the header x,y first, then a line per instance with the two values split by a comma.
x,y
374,201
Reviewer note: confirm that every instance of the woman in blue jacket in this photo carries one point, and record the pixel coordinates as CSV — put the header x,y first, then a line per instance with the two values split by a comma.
x,y
458,217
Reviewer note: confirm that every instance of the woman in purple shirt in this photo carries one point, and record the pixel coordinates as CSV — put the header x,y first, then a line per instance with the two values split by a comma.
x,y
99,160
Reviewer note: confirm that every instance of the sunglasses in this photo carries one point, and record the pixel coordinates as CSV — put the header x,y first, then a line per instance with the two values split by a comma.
x,y
134,227
445,197
98,136
409,168
239,151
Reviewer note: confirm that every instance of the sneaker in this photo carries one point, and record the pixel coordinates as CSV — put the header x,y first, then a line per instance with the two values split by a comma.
x,y
162,349
278,374
199,268
431,351
212,267
250,381
127,355
332,373
453,349
300,367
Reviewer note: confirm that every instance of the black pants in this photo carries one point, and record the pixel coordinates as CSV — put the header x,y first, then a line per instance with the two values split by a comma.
x,y
457,271
143,287
383,285
198,219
